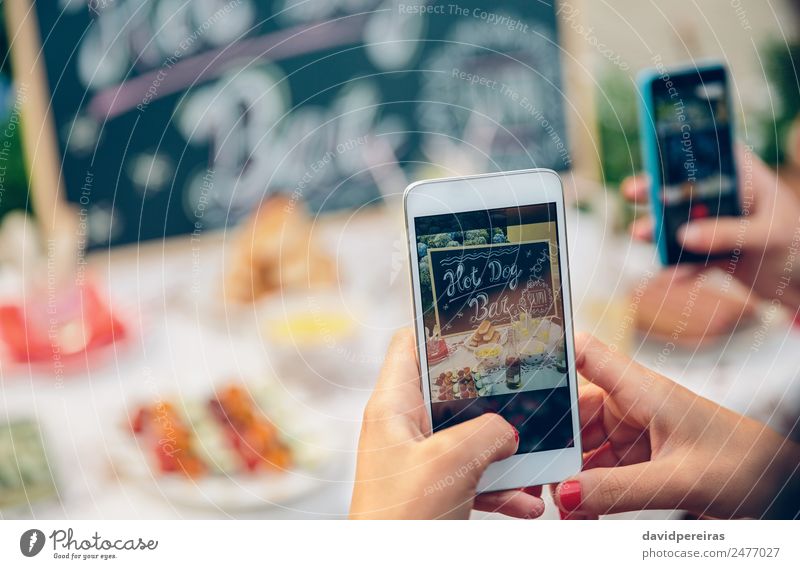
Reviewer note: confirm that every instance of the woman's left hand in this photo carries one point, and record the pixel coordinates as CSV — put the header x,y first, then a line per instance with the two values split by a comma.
x,y
404,472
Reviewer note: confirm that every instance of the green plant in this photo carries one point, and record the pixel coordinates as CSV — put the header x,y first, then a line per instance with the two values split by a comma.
x,y
618,127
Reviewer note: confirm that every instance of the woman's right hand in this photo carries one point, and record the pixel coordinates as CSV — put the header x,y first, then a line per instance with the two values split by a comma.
x,y
764,243
650,443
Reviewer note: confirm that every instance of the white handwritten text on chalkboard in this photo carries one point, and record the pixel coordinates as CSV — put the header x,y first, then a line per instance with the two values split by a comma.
x,y
494,282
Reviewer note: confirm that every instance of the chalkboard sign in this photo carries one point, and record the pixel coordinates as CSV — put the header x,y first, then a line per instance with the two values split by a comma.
x,y
175,116
491,282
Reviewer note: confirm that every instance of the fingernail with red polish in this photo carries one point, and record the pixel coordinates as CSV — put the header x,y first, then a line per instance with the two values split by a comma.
x,y
569,495
516,435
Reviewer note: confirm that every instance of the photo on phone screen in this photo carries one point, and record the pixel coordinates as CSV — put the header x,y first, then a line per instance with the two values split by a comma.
x,y
697,175
493,314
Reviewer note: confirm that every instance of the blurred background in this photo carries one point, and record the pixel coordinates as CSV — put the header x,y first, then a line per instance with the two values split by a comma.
x,y
201,224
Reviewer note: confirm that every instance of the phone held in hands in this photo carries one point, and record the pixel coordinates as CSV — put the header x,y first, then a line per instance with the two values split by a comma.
x,y
493,316
687,149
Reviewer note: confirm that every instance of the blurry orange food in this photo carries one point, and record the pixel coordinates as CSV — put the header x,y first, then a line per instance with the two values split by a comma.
x,y
275,251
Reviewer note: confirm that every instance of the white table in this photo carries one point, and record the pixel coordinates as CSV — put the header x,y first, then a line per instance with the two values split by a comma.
x,y
184,342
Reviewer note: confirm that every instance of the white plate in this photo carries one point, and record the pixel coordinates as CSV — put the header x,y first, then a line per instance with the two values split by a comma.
x,y
317,463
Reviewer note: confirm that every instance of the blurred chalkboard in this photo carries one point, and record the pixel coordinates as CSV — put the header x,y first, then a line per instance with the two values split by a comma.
x,y
173,116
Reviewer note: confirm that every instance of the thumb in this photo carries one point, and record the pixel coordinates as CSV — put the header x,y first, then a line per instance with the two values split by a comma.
x,y
643,486
470,447
716,235
634,390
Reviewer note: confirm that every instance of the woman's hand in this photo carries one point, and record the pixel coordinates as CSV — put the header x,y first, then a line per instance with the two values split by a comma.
x,y
404,472
763,244
651,444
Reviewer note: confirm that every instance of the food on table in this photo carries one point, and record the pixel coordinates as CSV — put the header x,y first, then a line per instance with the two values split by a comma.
x,y
483,387
536,337
486,333
437,350
309,327
490,356
560,357
458,384
25,473
79,323
275,251
533,351
488,351
253,436
311,338
169,439
227,434
526,327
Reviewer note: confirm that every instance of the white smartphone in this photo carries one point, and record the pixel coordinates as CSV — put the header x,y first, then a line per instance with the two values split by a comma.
x,y
493,316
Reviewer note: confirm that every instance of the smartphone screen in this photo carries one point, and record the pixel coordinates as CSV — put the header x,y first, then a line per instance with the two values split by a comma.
x,y
493,315
695,147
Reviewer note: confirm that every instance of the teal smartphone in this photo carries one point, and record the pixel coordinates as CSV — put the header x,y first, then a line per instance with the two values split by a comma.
x,y
688,151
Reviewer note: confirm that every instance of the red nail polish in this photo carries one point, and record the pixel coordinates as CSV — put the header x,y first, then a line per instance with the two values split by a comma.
x,y
569,495
516,435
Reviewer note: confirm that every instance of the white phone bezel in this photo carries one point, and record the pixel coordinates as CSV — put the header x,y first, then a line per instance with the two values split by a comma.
x,y
485,192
